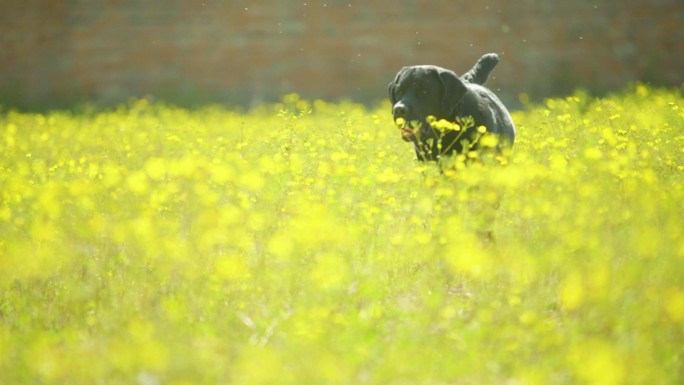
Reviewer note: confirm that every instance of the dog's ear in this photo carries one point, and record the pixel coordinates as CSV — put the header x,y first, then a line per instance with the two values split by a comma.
x,y
453,91
392,94
393,86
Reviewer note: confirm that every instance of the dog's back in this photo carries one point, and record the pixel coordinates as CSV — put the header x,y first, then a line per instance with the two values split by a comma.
x,y
489,111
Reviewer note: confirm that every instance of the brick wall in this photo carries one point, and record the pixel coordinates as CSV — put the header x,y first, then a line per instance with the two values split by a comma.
x,y
54,53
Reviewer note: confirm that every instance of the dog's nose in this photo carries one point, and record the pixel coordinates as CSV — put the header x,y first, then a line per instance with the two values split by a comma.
x,y
400,110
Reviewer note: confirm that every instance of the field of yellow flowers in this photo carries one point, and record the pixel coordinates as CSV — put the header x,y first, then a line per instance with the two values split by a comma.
x,y
301,243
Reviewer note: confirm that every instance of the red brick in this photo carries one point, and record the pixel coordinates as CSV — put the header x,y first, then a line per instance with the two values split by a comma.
x,y
54,53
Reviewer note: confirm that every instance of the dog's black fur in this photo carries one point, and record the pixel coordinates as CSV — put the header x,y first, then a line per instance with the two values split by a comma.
x,y
481,70
425,90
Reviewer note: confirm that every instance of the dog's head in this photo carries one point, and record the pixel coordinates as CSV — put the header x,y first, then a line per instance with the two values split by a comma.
x,y
421,91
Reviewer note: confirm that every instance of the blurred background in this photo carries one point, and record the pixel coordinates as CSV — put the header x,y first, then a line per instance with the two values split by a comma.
x,y
54,54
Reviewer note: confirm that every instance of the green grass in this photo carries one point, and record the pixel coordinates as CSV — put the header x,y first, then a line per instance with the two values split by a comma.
x,y
301,243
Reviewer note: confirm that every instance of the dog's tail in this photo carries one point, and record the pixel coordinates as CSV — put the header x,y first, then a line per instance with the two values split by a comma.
x,y
480,72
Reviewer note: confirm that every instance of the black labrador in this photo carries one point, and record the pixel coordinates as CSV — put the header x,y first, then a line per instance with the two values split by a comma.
x,y
423,91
